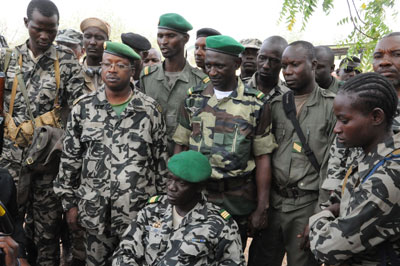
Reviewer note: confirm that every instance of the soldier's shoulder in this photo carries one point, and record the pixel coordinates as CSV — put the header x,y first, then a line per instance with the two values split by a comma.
x,y
65,53
199,73
83,99
149,102
148,70
199,88
157,200
254,92
218,213
327,93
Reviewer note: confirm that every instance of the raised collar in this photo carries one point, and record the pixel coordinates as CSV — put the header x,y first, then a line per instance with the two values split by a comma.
x,y
183,76
236,94
49,53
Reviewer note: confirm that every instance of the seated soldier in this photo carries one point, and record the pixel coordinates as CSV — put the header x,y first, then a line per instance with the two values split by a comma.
x,y
182,228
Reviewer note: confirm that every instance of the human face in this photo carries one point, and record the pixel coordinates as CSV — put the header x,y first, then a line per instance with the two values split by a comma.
x,y
42,31
387,59
200,51
298,69
180,192
353,127
221,68
348,70
171,43
269,63
249,61
152,58
93,42
116,72
323,70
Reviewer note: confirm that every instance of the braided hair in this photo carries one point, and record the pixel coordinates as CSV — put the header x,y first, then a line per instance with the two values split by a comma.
x,y
373,91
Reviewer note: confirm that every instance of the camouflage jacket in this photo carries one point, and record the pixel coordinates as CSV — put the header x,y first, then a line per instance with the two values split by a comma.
x,y
231,131
369,213
111,165
204,237
341,158
279,89
290,165
40,83
154,83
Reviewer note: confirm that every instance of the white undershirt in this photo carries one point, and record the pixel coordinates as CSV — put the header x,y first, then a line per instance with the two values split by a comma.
x,y
221,94
176,218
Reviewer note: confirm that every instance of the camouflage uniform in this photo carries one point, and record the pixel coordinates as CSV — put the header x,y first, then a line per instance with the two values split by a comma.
x,y
295,182
206,236
44,214
231,132
279,89
92,76
110,166
154,83
341,158
368,223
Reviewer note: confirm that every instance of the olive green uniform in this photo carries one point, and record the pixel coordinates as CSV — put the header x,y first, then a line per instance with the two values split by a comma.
x,y
154,83
335,85
295,182
279,89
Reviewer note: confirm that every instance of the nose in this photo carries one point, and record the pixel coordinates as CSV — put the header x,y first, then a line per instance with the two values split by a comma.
x,y
338,127
44,35
212,72
171,185
266,64
385,61
92,41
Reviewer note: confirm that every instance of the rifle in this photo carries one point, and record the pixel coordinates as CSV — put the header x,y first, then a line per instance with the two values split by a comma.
x,y
2,118
6,227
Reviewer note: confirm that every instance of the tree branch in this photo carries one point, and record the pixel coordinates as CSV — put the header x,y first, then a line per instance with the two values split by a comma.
x,y
354,24
358,15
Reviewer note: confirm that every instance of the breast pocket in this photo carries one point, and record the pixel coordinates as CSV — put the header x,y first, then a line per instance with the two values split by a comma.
x,y
279,132
192,248
92,139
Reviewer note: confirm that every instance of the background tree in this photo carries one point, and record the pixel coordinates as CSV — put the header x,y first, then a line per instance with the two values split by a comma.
x,y
367,17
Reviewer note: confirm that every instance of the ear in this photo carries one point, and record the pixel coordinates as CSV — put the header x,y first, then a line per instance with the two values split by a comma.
x,y
238,62
314,64
377,116
186,37
332,68
26,21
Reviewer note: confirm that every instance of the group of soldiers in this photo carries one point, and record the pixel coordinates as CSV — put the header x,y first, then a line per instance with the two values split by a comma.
x,y
151,162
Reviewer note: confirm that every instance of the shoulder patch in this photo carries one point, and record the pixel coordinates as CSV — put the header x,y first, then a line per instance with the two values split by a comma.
x,y
159,108
153,199
328,93
197,89
226,215
77,100
149,69
259,94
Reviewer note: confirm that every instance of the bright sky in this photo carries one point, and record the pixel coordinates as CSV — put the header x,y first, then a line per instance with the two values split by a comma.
x,y
239,19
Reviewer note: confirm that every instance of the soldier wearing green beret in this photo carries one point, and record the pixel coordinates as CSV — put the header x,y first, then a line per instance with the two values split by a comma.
x,y
168,82
115,150
182,228
230,124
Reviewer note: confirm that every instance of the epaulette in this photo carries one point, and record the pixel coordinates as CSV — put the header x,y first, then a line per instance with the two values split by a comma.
x,y
226,215
328,93
149,69
77,100
197,89
259,94
206,80
153,199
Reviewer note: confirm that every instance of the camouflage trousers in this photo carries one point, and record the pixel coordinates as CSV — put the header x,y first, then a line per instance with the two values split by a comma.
x,y
43,221
269,247
100,247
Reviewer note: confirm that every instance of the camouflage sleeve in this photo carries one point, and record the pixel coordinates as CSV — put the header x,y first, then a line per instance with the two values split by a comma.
x,y
264,141
183,130
131,250
368,221
230,247
159,152
72,79
71,161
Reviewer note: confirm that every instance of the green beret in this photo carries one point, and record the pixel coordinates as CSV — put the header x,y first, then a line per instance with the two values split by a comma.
x,y
121,50
174,22
224,44
191,166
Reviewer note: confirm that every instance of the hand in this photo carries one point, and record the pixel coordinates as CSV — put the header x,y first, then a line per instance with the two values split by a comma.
x,y
10,249
258,220
72,218
305,241
334,209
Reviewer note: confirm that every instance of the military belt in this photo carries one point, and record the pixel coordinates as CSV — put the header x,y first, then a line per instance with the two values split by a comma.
x,y
291,192
227,184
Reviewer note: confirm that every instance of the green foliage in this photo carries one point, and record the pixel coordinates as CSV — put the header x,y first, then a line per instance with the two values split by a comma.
x,y
367,20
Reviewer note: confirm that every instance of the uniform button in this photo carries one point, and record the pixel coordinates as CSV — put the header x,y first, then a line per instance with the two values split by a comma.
x,y
301,184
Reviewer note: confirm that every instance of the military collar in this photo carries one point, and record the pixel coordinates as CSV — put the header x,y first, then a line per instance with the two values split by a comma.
x,y
236,93
184,75
198,213
313,99
50,53
252,83
375,156
136,102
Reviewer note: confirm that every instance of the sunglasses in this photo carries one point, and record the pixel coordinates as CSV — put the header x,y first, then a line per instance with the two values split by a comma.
x,y
350,69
